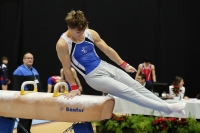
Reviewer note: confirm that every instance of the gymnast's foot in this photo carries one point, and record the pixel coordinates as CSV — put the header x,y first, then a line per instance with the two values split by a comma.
x,y
182,112
178,107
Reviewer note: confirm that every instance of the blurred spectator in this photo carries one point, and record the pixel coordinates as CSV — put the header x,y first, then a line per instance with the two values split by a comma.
x,y
178,81
141,78
4,73
148,69
26,72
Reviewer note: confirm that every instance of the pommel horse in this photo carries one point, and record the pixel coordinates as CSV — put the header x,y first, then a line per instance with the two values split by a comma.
x,y
55,107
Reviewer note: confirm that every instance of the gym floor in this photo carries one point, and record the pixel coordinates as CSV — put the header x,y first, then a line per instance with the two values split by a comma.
x,y
40,126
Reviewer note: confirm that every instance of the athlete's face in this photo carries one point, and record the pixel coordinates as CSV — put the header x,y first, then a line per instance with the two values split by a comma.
x,y
5,61
75,33
181,83
140,80
28,60
146,63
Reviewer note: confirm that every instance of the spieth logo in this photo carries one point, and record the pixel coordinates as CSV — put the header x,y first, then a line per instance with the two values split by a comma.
x,y
61,108
69,109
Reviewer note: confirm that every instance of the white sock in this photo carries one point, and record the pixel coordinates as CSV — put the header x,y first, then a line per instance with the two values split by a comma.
x,y
177,107
182,112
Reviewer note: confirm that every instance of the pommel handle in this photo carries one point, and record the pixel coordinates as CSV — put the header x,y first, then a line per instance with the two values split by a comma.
x,y
60,84
23,92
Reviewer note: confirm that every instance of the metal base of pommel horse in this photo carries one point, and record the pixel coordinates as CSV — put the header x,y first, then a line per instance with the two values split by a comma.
x,y
85,127
40,105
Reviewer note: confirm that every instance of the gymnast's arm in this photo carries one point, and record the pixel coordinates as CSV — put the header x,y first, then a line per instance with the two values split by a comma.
x,y
111,53
64,57
62,75
138,71
17,80
153,73
77,79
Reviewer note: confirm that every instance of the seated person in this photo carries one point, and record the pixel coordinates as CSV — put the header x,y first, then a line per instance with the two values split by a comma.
x,y
55,79
141,78
178,81
197,97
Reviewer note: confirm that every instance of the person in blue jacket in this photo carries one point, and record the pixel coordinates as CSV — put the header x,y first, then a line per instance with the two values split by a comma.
x,y
26,72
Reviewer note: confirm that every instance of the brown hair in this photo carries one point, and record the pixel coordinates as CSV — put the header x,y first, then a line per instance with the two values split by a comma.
x,y
4,58
26,54
198,96
76,20
177,80
143,76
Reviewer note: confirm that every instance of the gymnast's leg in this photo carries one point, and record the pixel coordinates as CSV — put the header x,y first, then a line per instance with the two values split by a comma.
x,y
110,79
123,77
49,85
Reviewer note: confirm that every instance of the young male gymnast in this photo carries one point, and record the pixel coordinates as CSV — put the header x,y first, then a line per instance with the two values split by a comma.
x,y
76,47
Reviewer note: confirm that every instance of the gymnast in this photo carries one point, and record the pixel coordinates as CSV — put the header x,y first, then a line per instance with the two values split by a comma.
x,y
63,78
55,79
75,48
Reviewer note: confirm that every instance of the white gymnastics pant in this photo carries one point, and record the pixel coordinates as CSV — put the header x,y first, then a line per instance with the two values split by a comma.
x,y
110,79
